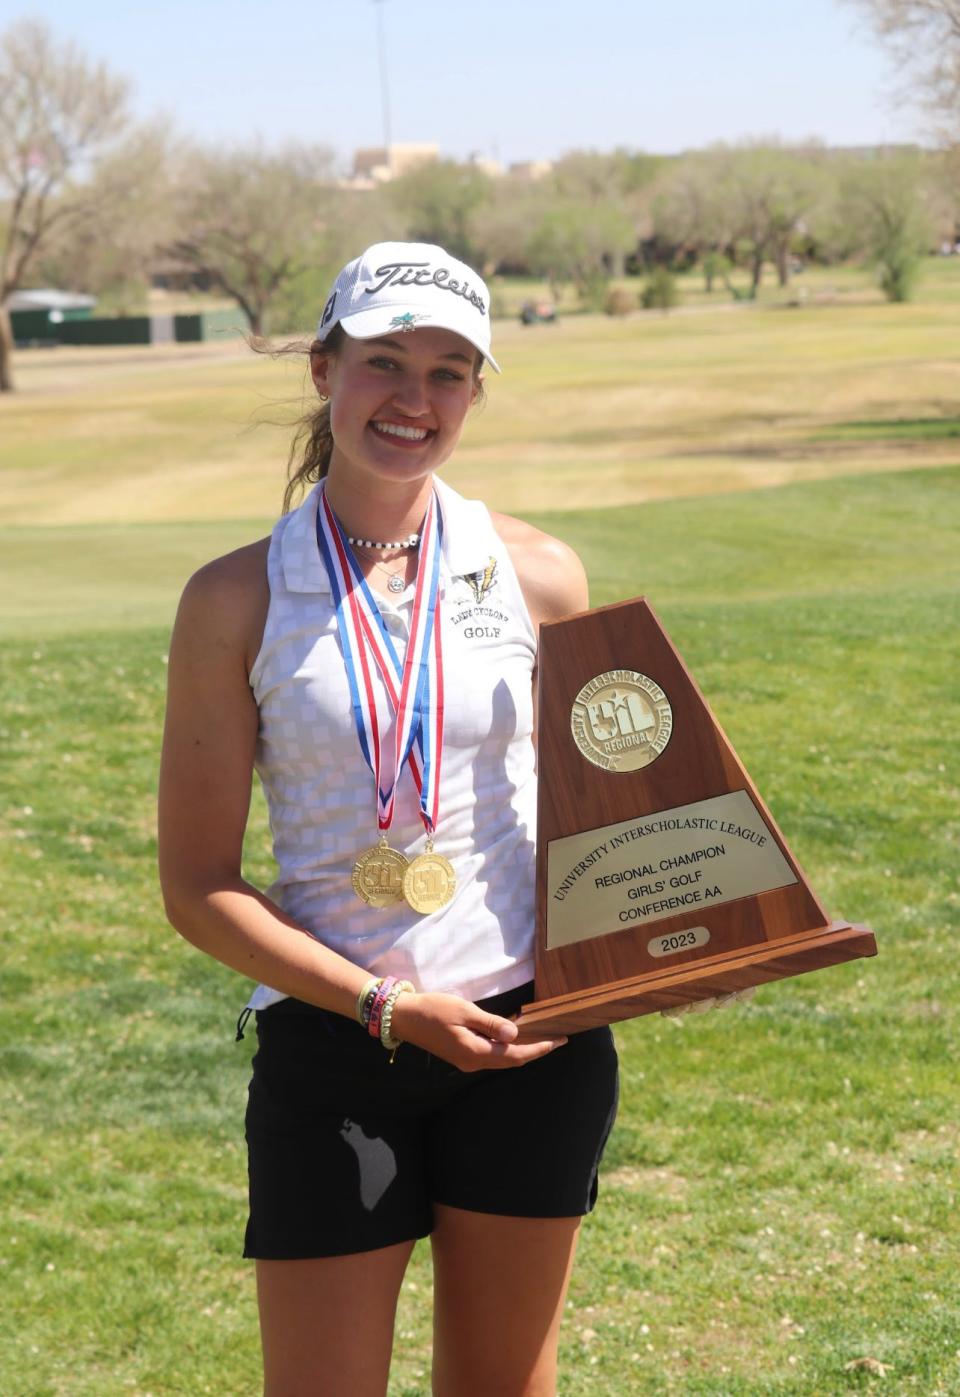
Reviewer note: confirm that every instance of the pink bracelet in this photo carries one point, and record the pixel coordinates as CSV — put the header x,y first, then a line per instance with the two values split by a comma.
x,y
376,1007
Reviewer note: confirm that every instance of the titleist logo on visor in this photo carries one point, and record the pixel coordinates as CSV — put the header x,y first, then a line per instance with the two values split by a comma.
x,y
421,274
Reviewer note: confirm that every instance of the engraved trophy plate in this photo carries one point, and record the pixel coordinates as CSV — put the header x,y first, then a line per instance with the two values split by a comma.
x,y
698,856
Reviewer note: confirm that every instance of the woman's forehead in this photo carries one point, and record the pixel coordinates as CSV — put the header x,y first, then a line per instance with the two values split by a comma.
x,y
429,341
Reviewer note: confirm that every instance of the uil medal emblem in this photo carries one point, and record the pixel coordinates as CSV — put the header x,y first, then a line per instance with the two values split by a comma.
x,y
429,881
621,721
377,876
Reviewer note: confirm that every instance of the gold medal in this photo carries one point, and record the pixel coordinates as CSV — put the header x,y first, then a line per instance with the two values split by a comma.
x,y
378,875
429,881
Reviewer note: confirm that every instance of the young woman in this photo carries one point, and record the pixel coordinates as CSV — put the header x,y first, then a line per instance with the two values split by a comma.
x,y
375,661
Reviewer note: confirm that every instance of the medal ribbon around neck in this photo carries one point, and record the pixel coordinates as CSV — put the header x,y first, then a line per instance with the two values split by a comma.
x,y
415,687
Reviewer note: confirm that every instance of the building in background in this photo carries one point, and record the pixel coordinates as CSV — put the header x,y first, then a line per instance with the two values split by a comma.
x,y
376,165
379,164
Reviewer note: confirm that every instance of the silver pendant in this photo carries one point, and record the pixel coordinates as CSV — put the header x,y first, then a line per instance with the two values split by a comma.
x,y
396,583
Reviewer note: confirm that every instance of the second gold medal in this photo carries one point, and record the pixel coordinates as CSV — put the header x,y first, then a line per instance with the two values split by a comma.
x,y
429,881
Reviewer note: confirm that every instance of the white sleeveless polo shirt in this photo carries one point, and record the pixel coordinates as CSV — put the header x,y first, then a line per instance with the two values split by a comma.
x,y
320,792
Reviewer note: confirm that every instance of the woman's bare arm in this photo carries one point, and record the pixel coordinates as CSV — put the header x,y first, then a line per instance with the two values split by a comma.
x,y
205,778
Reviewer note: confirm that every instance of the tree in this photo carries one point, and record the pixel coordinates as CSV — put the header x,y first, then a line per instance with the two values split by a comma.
x,y
580,243
768,191
884,199
690,210
753,197
715,264
59,117
616,183
110,253
248,220
351,220
924,39
943,188
436,201
500,228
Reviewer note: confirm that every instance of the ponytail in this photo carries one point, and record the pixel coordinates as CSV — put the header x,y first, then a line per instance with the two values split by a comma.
x,y
312,446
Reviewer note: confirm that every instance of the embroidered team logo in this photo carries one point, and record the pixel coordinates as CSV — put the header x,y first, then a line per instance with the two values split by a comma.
x,y
481,582
407,321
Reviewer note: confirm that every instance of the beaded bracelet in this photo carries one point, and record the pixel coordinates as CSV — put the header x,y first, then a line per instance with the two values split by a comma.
x,y
376,1007
386,1019
365,999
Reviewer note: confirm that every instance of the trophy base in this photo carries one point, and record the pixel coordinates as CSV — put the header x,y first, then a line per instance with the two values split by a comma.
x,y
666,989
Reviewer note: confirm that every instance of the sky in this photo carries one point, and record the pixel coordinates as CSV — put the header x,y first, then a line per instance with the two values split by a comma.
x,y
506,79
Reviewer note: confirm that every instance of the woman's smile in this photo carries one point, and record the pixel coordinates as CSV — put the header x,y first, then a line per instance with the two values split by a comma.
x,y
401,433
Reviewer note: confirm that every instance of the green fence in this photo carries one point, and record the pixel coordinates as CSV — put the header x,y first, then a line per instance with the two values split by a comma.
x,y
117,329
34,327
209,325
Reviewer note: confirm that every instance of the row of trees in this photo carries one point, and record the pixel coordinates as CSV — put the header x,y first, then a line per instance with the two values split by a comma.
x,y
90,201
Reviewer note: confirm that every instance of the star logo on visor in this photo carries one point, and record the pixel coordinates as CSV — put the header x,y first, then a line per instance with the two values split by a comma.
x,y
407,321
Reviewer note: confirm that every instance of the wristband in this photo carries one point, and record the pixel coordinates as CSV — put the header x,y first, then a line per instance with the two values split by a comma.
x,y
377,1003
386,1019
364,1001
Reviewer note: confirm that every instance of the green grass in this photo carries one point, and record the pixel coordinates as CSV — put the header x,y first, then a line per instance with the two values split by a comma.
x,y
106,576
779,1197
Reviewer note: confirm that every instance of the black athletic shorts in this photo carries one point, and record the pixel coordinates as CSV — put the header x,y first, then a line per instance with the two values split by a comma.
x,y
348,1151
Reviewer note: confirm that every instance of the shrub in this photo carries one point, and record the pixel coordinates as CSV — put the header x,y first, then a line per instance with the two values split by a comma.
x,y
620,301
898,264
593,290
715,266
660,292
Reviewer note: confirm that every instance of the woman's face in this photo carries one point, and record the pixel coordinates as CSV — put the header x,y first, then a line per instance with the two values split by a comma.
x,y
397,403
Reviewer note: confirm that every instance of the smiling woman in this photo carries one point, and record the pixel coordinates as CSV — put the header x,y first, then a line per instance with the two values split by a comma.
x,y
374,661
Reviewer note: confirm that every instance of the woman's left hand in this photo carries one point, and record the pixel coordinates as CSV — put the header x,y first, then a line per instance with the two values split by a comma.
x,y
463,1034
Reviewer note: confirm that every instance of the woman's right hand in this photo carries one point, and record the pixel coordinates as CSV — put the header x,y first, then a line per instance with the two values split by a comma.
x,y
457,1031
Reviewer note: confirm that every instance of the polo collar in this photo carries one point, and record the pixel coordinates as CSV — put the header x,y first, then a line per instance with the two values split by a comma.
x,y
463,551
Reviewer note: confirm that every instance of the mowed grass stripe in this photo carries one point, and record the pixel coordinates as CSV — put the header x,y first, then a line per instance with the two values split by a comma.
x,y
851,534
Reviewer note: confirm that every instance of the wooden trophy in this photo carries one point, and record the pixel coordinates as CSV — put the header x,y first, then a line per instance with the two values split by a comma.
x,y
661,875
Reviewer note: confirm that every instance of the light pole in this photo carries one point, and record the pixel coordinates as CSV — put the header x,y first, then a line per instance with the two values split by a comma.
x,y
384,90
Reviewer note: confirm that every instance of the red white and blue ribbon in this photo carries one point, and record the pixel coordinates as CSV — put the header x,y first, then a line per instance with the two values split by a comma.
x,y
414,688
